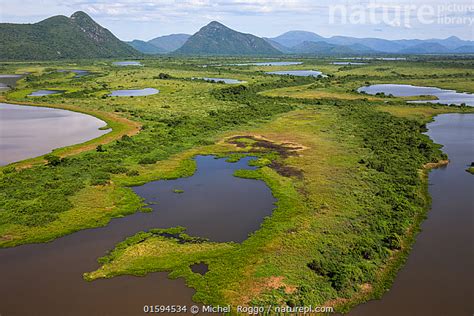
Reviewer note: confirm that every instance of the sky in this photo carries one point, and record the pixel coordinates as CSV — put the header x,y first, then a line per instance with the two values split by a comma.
x,y
129,19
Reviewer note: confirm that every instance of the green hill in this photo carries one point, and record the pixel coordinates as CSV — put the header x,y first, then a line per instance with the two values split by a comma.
x,y
169,43
61,37
146,47
217,39
323,48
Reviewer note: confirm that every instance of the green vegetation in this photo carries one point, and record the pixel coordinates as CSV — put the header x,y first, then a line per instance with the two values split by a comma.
x,y
471,169
60,37
217,39
348,173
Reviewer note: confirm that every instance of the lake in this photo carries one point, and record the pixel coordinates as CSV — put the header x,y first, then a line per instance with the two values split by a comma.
x,y
377,58
270,63
28,131
127,63
224,80
42,93
301,73
347,63
437,278
8,81
134,92
48,276
79,73
239,201
402,90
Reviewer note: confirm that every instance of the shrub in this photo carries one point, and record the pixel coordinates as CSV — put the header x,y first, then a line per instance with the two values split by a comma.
x,y
52,160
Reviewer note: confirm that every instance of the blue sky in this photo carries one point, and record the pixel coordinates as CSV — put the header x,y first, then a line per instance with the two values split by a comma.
x,y
129,19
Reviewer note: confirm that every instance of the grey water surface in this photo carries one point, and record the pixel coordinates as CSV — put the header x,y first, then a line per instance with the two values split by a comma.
x,y
402,90
437,279
46,279
301,73
134,92
28,131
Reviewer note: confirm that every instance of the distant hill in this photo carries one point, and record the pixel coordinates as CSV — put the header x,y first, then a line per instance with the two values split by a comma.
x,y
278,46
426,48
217,39
61,37
294,38
466,49
79,36
169,43
293,42
146,47
377,44
323,48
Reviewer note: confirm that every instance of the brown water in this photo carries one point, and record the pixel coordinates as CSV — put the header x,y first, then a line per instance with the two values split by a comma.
x,y
8,81
46,279
28,131
438,278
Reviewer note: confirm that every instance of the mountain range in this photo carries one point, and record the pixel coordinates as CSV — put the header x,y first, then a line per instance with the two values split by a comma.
x,y
217,39
58,37
79,36
160,45
294,39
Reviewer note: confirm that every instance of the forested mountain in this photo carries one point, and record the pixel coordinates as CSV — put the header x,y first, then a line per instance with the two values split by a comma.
x,y
78,36
217,39
170,43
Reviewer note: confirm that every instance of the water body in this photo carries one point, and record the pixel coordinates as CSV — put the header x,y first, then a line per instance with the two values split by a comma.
x,y
377,58
301,73
224,80
437,278
79,73
231,216
402,90
270,63
347,63
8,81
28,131
127,63
46,279
134,92
42,93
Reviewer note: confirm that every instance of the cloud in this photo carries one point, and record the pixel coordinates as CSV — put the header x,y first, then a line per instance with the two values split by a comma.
x,y
156,9
262,17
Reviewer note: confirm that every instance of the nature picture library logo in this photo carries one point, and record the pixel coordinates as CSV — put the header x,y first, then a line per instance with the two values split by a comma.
x,y
403,13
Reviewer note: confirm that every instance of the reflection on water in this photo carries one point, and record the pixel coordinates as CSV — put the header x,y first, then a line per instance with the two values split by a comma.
x,y
437,278
79,73
8,81
270,63
301,73
27,131
127,63
347,63
42,93
214,204
134,92
377,58
237,209
403,90
223,80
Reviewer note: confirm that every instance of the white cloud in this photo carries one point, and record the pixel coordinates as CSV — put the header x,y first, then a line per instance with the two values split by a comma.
x,y
142,19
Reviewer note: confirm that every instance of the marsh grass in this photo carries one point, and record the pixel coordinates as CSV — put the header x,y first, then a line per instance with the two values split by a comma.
x,y
341,229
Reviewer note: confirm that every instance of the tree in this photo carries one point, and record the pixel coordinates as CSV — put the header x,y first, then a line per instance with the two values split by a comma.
x,y
52,160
